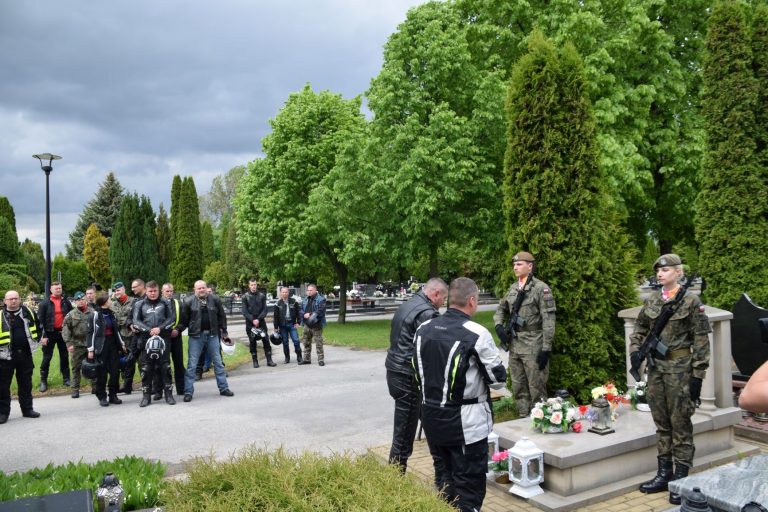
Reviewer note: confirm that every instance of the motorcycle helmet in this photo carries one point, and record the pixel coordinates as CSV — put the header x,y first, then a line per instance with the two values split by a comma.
x,y
275,338
155,347
227,346
89,368
312,321
258,333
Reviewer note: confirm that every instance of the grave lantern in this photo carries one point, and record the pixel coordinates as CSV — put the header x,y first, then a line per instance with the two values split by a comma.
x,y
526,468
602,424
493,447
695,502
110,494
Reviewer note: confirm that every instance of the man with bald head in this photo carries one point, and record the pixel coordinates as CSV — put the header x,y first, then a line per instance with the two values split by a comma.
x,y
20,332
203,315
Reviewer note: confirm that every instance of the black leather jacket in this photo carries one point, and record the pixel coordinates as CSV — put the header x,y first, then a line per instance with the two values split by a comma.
x,y
148,314
45,312
293,311
407,319
190,315
95,336
254,308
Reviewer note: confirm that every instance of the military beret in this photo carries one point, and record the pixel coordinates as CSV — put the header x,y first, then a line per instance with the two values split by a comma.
x,y
524,256
79,295
117,285
667,260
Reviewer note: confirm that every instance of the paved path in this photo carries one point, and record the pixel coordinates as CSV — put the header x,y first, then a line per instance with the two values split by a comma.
x,y
342,406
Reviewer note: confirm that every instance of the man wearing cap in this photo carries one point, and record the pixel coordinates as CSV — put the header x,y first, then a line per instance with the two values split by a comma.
x,y
19,333
74,331
674,385
525,324
122,307
51,313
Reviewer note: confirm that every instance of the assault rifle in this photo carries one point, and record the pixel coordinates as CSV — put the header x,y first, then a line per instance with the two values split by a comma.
x,y
652,343
515,322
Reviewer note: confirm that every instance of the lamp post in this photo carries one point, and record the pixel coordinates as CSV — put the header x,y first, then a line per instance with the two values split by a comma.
x,y
47,170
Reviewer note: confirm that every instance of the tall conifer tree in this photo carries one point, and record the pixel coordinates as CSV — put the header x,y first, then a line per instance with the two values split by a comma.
x,y
556,206
163,236
96,255
207,243
760,66
187,264
102,210
732,205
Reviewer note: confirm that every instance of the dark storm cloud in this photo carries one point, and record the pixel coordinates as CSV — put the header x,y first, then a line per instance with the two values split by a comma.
x,y
151,89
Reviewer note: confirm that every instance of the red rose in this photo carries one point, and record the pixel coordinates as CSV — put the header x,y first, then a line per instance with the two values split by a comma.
x,y
576,427
583,409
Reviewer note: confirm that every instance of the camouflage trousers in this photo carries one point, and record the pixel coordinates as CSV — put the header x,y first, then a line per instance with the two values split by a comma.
x,y
529,384
309,334
671,407
78,355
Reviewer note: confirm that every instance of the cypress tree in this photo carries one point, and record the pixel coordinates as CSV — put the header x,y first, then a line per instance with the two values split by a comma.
x,y
760,67
6,210
206,232
152,268
174,222
102,210
732,205
557,207
9,243
188,262
163,237
125,251
96,255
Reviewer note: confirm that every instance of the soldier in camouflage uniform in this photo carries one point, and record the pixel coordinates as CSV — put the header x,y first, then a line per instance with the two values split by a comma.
x,y
674,385
73,331
122,307
530,341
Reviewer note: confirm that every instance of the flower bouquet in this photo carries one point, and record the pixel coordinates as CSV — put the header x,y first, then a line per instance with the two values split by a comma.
x,y
555,415
612,395
500,466
638,396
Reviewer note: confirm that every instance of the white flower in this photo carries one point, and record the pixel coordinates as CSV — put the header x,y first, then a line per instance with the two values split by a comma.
x,y
598,392
557,417
537,413
551,401
557,406
570,415
640,392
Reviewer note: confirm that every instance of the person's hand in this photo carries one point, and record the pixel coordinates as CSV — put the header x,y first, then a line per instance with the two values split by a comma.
x,y
256,322
44,341
174,333
503,337
635,359
296,326
306,315
695,387
154,331
70,348
542,359
90,354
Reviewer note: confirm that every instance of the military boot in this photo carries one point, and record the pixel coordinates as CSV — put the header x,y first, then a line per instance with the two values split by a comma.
x,y
659,483
43,382
169,396
681,471
270,362
146,399
298,356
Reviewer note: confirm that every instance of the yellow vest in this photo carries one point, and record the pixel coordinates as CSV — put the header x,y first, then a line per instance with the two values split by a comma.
x,y
5,335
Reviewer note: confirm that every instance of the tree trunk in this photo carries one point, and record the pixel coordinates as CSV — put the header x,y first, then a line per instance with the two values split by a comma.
x,y
433,260
342,274
665,246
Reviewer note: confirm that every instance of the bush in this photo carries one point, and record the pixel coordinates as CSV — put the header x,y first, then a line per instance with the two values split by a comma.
x,y
504,409
277,481
141,479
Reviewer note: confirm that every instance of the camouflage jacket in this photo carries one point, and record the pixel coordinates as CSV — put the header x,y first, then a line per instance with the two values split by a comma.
x,y
123,315
538,313
74,328
687,329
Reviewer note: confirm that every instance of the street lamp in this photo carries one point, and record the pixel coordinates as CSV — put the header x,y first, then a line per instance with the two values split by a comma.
x,y
47,170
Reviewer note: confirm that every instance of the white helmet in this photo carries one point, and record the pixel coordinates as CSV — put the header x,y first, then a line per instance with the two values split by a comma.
x,y
227,346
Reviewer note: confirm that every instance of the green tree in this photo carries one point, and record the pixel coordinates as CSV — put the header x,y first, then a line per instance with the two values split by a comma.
x,y
73,274
13,276
9,243
96,256
218,274
102,210
33,255
732,206
218,202
163,237
274,220
239,264
133,251
206,233
6,210
557,207
760,66
187,263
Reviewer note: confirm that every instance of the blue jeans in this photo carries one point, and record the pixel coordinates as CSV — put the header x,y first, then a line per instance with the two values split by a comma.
x,y
285,332
209,344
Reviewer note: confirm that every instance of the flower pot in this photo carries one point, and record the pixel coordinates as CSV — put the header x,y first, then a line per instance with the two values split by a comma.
x,y
552,430
502,478
643,407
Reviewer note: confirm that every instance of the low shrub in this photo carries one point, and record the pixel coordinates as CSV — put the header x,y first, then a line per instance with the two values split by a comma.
x,y
141,479
259,480
504,409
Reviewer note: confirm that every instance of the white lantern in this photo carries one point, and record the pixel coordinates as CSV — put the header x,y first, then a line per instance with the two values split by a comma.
x,y
493,448
526,468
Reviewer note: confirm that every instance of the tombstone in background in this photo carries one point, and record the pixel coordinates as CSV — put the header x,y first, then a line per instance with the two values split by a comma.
x,y
749,345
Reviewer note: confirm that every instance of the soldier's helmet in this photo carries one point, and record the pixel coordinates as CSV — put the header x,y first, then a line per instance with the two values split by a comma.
x,y
524,256
667,260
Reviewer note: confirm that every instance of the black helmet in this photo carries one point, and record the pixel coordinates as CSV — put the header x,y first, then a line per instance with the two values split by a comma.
x,y
259,333
89,368
312,320
275,338
155,347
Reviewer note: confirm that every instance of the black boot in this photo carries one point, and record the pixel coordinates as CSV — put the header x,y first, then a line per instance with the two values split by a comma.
x,y
287,358
169,396
114,400
146,399
662,478
270,362
43,382
681,471
255,360
298,357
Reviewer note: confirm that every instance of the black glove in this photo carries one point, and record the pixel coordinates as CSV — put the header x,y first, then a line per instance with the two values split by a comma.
x,y
695,387
503,337
542,359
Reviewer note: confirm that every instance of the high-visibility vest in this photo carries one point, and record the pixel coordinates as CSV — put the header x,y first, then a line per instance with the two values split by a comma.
x,y
176,310
5,336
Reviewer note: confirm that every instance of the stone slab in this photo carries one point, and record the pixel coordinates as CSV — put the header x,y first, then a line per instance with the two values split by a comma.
x,y
728,488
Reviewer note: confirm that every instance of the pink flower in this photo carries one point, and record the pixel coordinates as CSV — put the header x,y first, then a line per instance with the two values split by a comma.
x,y
576,427
557,417
537,413
499,456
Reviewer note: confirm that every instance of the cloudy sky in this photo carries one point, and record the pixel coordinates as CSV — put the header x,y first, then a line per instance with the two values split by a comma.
x,y
151,88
